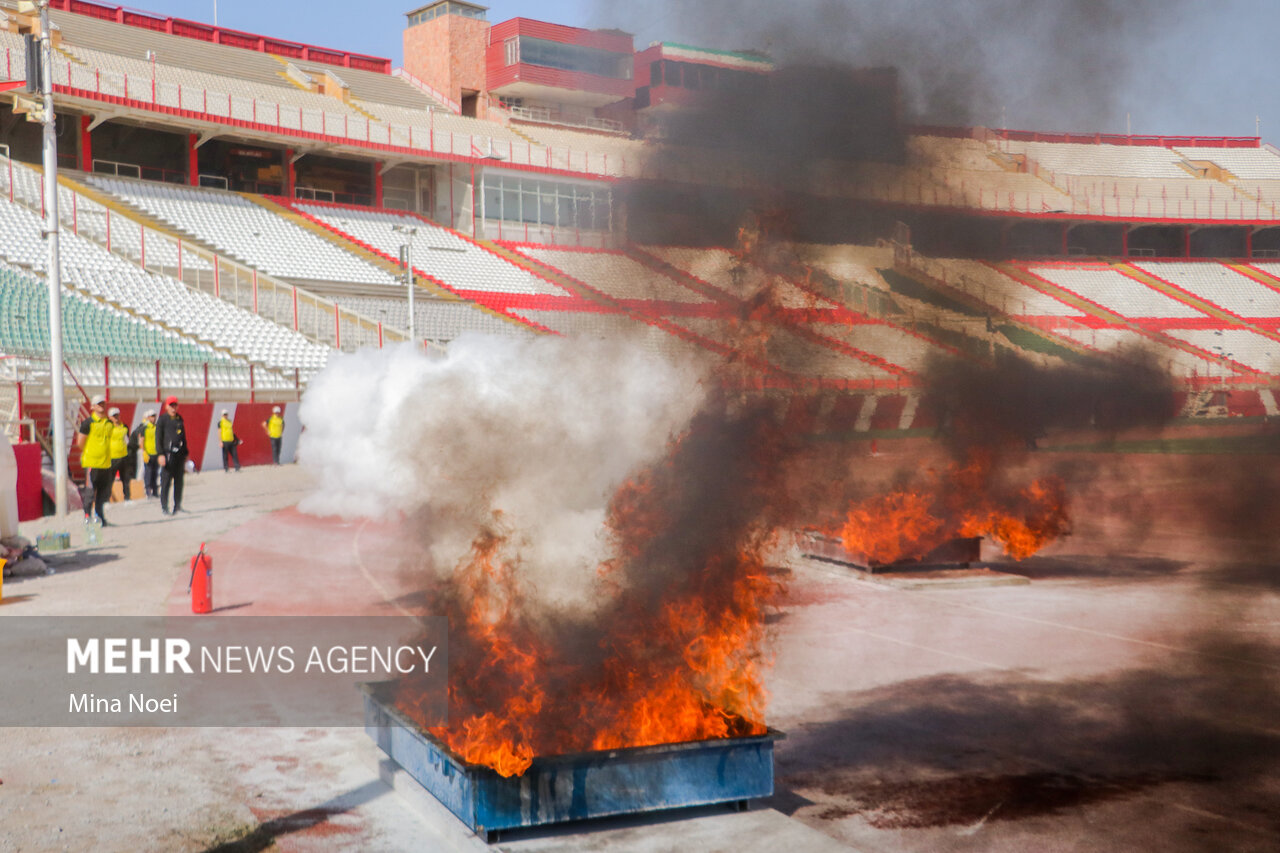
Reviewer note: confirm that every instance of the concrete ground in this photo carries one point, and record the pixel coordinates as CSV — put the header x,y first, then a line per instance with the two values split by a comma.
x,y
1125,699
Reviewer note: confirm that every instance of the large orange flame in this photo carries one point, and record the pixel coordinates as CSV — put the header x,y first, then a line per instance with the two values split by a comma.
x,y
679,661
909,522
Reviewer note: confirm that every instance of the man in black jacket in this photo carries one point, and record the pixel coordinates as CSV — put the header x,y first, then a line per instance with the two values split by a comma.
x,y
171,453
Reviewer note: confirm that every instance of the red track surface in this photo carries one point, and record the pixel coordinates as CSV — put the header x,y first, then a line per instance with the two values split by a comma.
x,y
287,563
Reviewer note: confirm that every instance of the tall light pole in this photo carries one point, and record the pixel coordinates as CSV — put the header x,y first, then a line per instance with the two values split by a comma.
x,y
406,258
53,274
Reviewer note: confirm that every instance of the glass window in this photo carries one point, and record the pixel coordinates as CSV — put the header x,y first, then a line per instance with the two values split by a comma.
x,y
572,57
540,202
655,73
529,203
512,50
492,201
671,71
602,214
583,203
566,216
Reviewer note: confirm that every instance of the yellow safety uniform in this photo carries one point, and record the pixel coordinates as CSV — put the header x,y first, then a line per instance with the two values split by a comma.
x,y
149,440
96,451
225,431
119,441
275,426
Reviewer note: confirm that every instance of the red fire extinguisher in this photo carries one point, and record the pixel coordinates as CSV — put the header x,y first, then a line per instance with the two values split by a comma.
x,y
201,584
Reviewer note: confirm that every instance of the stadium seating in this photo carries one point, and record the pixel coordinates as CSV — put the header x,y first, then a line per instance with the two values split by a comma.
x,y
992,287
1245,164
944,152
435,319
788,351
89,327
1158,198
442,121
1239,345
846,263
679,300
614,274
181,62
91,219
1128,342
108,277
1219,284
1127,161
722,270
251,86
1115,291
246,231
437,252
889,343
601,153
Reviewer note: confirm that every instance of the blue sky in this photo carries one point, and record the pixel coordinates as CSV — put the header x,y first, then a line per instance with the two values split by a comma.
x,y
1194,67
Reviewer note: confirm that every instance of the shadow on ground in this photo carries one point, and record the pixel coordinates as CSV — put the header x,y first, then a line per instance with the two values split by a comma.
x,y
313,822
948,750
1093,568
65,562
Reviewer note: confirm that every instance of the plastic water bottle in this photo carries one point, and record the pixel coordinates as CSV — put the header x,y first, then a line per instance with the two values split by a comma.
x,y
92,531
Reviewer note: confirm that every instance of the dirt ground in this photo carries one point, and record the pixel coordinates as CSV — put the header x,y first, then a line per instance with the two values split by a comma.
x,y
1124,699
187,789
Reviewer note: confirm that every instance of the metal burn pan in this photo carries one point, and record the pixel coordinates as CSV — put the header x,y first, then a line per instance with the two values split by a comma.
x,y
960,552
584,785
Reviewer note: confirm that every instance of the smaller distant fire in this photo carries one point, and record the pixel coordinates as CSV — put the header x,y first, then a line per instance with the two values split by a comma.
x,y
961,501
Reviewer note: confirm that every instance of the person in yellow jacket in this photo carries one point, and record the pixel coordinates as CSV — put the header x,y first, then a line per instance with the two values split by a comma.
x,y
227,435
274,427
94,441
120,465
144,439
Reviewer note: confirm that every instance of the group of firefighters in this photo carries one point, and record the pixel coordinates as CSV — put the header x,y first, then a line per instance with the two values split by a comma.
x,y
109,450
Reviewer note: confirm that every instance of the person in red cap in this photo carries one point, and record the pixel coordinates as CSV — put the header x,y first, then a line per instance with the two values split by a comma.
x,y
171,453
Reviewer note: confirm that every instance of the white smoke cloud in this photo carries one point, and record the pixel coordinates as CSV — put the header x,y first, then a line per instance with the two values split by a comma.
x,y
541,429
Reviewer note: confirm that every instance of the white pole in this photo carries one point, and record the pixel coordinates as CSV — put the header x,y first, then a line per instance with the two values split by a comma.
x,y
408,274
407,249
215,13
53,274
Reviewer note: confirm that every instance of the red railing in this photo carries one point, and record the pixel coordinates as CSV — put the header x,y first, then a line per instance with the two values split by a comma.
x,y
1128,139
220,35
144,92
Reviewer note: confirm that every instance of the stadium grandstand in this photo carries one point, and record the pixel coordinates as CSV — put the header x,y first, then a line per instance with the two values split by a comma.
x,y
235,207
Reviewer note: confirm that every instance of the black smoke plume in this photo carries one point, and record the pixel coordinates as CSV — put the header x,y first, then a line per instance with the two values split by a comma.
x,y
1013,402
852,77
1046,64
